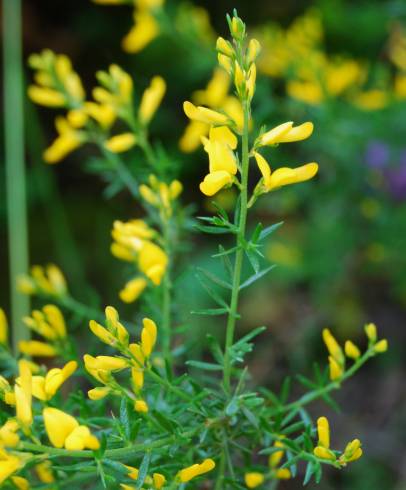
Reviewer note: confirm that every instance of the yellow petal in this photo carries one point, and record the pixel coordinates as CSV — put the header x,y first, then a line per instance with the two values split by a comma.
x,y
254,479
215,181
121,142
58,425
151,99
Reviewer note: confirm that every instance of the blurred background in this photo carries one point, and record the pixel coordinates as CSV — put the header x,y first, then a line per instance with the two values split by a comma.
x,y
341,253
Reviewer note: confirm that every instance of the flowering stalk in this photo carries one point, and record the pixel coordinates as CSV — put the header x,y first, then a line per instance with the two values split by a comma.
x,y
242,220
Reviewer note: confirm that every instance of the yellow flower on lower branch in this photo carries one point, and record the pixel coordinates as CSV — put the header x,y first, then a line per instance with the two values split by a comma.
x,y
351,350
254,479
69,139
205,115
3,327
148,336
141,406
47,280
9,464
121,142
133,289
283,474
20,483
195,470
8,434
215,181
99,392
44,472
63,430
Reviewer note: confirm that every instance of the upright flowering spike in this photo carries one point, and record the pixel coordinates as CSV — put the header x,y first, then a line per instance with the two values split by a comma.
x,y
151,99
195,470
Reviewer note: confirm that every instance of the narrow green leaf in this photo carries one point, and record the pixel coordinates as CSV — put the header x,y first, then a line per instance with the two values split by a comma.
x,y
256,276
124,418
211,311
143,470
211,292
309,473
268,230
215,279
206,366
214,230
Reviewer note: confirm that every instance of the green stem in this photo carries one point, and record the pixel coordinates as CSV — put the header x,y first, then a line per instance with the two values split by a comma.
x,y
122,453
167,296
15,168
333,385
240,252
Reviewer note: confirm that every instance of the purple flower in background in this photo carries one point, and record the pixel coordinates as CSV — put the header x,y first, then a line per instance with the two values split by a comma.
x,y
377,155
397,179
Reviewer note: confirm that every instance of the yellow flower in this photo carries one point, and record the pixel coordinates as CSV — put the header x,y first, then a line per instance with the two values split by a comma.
x,y
49,281
352,451
45,387
148,336
103,114
351,350
8,434
159,480
133,289
23,394
20,482
152,261
121,142
222,160
102,333
286,133
99,392
371,100
44,472
254,48
324,453
283,474
36,348
145,30
138,378
190,139
141,406
9,464
205,115
195,470
3,327
381,346
46,96
276,457
323,430
333,347
284,175
151,99
104,363
63,430
161,195
69,139
370,331
215,181
336,370
114,325
254,479
49,323
224,47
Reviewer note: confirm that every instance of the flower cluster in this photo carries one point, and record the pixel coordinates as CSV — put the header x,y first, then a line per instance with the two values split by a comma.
x,y
92,120
46,281
134,356
352,451
49,324
134,241
337,356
